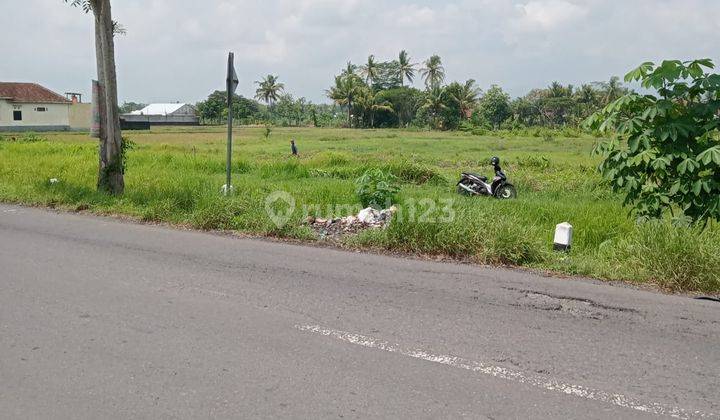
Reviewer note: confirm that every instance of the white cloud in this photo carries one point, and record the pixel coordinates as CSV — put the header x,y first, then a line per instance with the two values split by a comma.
x,y
176,49
548,14
414,16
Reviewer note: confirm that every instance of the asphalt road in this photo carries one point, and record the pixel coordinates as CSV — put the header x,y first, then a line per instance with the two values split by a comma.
x,y
105,319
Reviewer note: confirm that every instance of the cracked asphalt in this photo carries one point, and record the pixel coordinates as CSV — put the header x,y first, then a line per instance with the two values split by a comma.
x,y
107,319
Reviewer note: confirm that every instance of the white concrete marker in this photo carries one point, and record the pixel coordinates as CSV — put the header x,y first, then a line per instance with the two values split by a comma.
x,y
515,376
563,237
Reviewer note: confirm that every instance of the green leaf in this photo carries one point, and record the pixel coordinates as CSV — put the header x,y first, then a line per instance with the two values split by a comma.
x,y
633,143
639,72
710,155
697,187
687,165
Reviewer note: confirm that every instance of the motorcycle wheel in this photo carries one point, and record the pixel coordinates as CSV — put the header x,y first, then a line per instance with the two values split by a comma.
x,y
506,192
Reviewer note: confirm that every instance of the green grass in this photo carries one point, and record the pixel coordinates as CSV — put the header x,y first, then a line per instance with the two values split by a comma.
x,y
174,175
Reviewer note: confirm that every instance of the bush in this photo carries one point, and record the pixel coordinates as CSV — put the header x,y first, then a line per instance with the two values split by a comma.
x,y
663,153
376,188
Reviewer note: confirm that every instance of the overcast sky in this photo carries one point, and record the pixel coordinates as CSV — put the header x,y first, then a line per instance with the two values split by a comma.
x,y
175,50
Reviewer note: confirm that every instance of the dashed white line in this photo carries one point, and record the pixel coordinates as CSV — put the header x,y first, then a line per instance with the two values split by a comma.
x,y
511,375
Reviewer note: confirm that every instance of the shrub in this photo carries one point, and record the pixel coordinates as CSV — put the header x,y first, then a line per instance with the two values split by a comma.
x,y
376,188
664,153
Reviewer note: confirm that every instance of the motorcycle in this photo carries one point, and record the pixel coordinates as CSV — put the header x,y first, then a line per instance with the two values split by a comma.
x,y
474,184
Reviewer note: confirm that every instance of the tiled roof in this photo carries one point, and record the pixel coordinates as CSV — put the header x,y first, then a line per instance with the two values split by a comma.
x,y
29,92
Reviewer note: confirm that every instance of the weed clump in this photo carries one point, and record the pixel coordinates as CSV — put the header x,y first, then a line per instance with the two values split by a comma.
x,y
376,188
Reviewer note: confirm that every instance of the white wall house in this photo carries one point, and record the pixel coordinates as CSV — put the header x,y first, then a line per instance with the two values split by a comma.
x,y
165,114
29,106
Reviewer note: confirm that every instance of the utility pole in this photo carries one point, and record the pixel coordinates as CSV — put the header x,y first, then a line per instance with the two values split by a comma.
x,y
231,85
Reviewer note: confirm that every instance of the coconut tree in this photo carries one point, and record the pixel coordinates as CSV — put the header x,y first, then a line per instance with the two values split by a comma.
x,y
349,69
371,102
613,89
111,165
269,90
370,69
434,104
344,92
433,72
466,97
406,70
586,98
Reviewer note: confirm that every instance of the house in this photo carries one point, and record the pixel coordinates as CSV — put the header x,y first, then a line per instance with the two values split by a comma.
x,y
31,107
164,114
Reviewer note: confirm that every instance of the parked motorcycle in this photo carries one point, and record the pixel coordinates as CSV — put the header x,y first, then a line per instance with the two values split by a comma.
x,y
474,184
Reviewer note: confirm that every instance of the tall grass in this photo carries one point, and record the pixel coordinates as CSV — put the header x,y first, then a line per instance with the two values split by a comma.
x,y
175,177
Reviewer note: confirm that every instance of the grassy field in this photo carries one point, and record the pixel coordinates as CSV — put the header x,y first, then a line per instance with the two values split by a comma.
x,y
174,175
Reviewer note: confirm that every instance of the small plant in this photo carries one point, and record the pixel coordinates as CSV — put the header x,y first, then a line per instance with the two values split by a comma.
x,y
376,188
268,131
125,147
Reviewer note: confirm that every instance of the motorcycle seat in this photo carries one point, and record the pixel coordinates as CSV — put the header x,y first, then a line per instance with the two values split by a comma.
x,y
478,176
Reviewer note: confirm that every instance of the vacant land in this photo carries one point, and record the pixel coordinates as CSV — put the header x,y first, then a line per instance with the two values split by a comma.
x,y
175,175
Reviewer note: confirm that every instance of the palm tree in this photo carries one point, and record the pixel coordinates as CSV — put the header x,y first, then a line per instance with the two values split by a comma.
x,y
370,102
344,92
466,97
406,70
434,103
433,72
349,69
557,90
370,69
586,98
269,89
613,89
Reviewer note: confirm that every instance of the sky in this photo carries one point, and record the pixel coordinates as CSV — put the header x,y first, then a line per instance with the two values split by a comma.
x,y
176,50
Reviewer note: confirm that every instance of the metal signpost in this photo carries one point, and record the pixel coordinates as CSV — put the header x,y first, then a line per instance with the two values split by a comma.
x,y
231,86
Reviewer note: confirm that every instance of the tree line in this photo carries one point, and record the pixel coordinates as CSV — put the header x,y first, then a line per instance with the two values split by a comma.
x,y
379,94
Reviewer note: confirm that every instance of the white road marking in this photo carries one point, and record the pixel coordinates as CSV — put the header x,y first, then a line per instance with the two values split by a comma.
x,y
511,375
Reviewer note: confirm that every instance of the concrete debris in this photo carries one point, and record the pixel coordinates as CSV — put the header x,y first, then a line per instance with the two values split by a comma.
x,y
368,218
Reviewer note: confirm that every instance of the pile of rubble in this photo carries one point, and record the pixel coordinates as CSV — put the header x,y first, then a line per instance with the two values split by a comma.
x,y
368,218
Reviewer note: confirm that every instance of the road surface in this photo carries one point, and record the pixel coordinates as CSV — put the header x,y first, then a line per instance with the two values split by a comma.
x,y
105,319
